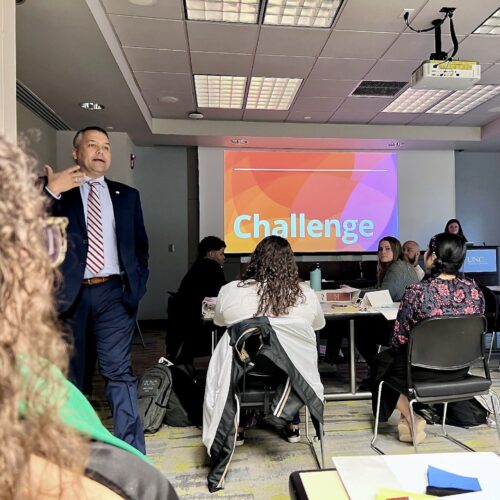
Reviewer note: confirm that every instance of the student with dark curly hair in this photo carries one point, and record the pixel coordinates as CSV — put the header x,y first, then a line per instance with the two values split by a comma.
x,y
444,293
270,286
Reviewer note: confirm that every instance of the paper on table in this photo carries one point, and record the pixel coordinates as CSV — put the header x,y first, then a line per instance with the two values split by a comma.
x,y
317,484
385,493
443,479
389,313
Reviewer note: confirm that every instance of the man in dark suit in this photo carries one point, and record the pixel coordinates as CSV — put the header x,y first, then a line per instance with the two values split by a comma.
x,y
104,272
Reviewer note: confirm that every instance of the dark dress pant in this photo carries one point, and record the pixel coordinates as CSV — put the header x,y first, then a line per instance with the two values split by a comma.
x,y
99,311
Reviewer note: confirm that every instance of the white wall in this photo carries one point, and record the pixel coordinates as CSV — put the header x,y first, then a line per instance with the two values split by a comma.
x,y
426,192
36,136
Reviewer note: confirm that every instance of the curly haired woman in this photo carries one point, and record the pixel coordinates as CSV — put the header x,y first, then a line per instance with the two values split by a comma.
x,y
46,425
270,286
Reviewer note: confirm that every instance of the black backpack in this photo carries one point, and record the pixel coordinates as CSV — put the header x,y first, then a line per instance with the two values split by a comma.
x,y
153,393
467,413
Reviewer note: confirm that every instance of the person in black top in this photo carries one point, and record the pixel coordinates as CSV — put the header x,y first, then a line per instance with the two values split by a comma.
x,y
453,226
187,335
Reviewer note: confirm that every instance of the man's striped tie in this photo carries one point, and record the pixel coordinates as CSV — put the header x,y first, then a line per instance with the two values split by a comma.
x,y
95,254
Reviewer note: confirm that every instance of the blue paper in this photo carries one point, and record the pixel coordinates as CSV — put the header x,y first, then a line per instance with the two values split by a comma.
x,y
439,478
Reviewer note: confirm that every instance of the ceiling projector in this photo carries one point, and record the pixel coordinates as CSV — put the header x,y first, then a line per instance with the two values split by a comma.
x,y
446,75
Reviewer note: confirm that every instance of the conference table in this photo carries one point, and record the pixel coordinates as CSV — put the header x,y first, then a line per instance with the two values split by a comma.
x,y
334,311
394,476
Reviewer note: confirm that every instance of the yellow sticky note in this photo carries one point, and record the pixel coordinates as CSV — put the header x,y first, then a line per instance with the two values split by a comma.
x,y
386,493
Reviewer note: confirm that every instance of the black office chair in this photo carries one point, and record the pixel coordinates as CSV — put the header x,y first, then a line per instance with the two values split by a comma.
x,y
442,343
259,384
490,312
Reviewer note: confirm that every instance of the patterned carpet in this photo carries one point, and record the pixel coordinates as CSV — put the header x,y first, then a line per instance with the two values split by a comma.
x,y
261,467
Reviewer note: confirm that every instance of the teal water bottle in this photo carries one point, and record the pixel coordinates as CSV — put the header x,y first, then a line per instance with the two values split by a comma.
x,y
315,277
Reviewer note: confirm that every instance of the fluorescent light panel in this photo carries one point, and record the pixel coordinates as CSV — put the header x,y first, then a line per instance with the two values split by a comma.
x,y
312,13
272,93
229,11
491,26
415,101
216,91
462,101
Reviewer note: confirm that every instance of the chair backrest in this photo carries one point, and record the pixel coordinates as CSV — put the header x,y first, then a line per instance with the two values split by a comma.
x,y
490,307
447,342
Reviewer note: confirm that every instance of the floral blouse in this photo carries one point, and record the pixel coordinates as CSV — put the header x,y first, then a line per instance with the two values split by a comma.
x,y
435,297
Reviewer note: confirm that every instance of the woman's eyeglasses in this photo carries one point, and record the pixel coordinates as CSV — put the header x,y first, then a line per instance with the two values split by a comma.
x,y
55,239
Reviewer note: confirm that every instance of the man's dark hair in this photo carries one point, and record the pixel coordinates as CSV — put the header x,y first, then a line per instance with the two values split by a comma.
x,y
450,250
76,139
208,244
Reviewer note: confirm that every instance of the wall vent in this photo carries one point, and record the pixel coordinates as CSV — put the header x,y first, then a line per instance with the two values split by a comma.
x,y
375,88
29,99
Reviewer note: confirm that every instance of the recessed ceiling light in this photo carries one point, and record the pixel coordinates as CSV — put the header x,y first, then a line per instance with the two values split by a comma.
x,y
230,11
462,101
415,101
217,91
239,141
490,26
310,13
110,128
91,106
272,93
196,116
143,3
168,99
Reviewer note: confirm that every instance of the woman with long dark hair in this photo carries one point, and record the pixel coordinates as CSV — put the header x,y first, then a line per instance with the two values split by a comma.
x,y
453,226
270,286
444,293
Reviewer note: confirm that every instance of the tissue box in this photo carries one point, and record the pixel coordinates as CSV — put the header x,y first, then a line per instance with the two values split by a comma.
x,y
338,295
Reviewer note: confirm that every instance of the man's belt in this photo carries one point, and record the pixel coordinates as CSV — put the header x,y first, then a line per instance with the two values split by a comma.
x,y
98,280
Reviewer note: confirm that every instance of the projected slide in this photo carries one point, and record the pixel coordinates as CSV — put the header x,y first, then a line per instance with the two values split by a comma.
x,y
320,202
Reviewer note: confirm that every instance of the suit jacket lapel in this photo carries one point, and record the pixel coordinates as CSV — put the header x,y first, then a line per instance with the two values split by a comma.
x,y
75,202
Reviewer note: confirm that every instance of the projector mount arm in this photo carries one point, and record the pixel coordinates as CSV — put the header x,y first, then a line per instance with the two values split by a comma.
x,y
439,55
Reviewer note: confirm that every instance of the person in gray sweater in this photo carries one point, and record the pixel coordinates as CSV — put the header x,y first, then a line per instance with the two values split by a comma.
x,y
394,274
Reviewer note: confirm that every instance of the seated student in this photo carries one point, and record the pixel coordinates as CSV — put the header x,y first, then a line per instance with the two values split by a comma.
x,y
394,274
52,443
443,293
186,333
453,226
411,252
270,286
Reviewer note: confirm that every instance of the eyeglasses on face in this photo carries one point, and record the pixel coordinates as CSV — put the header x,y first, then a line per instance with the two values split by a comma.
x,y
54,233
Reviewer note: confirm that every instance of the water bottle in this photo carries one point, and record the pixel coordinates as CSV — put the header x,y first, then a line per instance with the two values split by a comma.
x,y
315,277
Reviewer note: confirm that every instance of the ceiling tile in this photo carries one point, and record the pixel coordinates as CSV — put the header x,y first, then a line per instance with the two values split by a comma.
x,y
359,109
328,88
412,46
466,18
171,61
221,114
216,63
363,45
305,105
151,33
481,48
364,15
173,82
179,109
348,69
491,76
222,37
392,71
168,9
315,117
285,41
481,115
392,118
432,119
265,115
283,66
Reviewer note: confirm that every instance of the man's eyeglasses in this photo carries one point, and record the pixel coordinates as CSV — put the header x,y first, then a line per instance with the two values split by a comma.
x,y
55,239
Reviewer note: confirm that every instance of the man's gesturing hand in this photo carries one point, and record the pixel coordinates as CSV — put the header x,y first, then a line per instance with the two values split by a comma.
x,y
60,182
